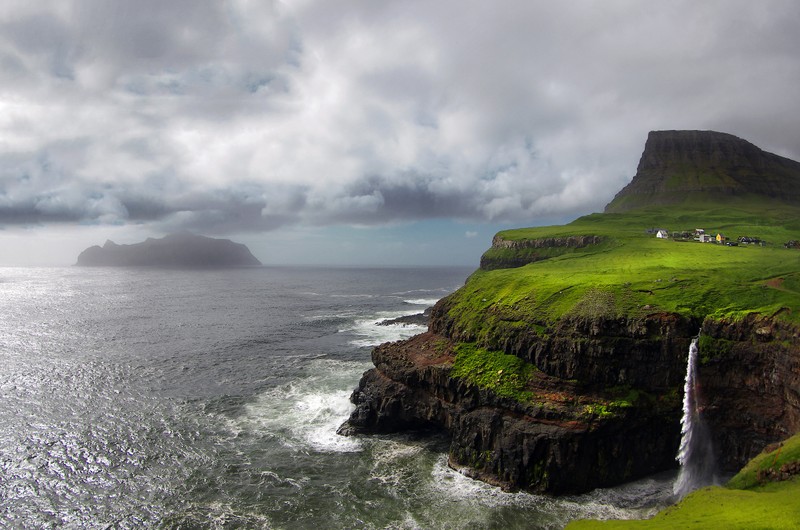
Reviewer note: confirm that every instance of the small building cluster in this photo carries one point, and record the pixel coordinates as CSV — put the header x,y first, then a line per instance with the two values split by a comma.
x,y
701,236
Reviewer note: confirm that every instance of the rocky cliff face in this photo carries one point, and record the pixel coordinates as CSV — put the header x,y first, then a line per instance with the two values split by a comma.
x,y
647,353
750,379
174,250
561,441
508,254
555,443
689,165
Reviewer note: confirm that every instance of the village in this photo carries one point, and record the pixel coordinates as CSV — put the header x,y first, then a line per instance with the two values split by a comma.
x,y
701,236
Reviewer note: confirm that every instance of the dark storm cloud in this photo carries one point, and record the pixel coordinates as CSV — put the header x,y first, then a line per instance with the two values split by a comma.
x,y
247,116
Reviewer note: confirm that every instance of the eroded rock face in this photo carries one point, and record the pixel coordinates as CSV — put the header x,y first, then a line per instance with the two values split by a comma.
x,y
750,387
525,251
550,444
546,242
646,352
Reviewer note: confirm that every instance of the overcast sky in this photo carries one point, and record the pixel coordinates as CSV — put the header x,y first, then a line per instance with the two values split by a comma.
x,y
362,132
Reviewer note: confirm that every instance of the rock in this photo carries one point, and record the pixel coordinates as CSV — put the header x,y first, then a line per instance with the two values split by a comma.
x,y
751,387
548,445
508,254
552,445
418,319
647,352
174,250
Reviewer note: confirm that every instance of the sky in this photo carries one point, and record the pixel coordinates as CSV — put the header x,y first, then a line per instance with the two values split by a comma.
x,y
362,132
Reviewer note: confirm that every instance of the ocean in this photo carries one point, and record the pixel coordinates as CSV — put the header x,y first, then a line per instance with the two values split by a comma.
x,y
142,398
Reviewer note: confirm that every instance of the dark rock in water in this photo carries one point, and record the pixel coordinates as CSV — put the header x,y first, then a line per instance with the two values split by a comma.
x,y
681,166
175,250
419,319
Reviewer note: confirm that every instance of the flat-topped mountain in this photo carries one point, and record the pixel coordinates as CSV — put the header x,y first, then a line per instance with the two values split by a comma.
x,y
174,250
692,167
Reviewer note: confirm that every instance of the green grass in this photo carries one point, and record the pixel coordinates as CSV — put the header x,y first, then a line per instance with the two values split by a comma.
x,y
751,475
745,503
632,273
773,507
505,375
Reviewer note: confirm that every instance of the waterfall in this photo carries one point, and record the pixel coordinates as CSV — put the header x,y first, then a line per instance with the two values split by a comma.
x,y
695,455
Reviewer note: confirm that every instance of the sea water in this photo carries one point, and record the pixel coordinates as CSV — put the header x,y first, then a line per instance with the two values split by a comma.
x,y
135,398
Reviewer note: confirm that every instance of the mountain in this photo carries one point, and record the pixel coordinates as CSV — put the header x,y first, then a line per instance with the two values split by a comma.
x,y
181,250
691,167
559,366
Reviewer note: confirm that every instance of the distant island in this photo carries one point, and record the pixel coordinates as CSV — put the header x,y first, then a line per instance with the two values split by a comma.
x,y
182,250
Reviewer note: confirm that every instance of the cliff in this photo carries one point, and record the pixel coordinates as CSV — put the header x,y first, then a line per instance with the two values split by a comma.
x,y
559,438
507,253
174,250
558,367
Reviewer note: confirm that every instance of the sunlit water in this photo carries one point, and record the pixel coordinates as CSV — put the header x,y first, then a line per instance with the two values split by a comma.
x,y
142,398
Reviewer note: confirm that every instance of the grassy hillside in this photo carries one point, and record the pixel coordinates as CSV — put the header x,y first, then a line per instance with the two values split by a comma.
x,y
634,273
754,498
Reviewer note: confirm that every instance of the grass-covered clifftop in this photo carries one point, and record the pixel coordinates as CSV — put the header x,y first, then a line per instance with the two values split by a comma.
x,y
631,273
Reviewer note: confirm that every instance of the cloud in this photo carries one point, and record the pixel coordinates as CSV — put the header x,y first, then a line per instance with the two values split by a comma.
x,y
251,116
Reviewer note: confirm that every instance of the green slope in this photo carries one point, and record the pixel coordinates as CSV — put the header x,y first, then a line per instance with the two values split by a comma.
x,y
633,273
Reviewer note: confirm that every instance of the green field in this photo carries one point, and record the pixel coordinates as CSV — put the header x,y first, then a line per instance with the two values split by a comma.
x,y
632,273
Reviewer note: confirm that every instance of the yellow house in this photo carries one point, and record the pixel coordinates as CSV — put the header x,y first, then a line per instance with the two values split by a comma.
x,y
721,238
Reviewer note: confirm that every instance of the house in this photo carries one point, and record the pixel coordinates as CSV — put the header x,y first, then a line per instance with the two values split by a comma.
x,y
747,240
662,234
700,235
721,238
705,238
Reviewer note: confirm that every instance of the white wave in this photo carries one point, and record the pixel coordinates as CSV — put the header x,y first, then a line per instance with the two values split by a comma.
x,y
459,487
427,302
322,317
390,461
306,413
424,291
371,332
639,499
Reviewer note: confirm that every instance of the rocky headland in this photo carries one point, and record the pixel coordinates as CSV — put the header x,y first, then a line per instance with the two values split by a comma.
x,y
559,366
172,251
